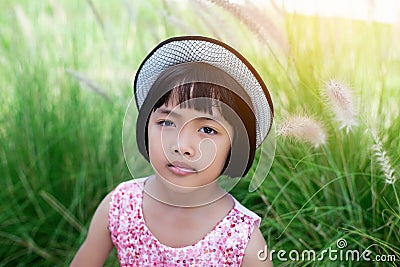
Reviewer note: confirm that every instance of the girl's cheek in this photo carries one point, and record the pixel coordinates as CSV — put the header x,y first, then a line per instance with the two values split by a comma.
x,y
208,152
166,139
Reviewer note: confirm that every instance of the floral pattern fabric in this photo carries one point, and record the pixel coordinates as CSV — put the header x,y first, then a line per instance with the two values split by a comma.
x,y
137,246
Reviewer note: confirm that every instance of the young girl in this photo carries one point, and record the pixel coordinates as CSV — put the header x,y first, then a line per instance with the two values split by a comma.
x,y
203,111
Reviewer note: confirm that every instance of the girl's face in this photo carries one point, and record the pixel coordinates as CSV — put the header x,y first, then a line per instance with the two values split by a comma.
x,y
187,147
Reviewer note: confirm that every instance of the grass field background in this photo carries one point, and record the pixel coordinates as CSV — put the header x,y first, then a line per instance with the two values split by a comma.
x,y
65,81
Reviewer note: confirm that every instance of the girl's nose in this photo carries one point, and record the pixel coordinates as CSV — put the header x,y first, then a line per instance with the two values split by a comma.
x,y
185,143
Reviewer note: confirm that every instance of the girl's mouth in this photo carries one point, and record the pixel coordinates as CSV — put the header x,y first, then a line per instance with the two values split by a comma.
x,y
180,168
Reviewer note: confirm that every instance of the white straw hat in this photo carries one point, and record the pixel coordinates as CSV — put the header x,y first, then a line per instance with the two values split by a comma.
x,y
185,49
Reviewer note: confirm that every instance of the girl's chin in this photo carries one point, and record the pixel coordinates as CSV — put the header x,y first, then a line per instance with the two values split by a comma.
x,y
183,183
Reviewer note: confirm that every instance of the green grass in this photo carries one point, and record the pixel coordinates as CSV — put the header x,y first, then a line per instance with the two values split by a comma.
x,y
65,76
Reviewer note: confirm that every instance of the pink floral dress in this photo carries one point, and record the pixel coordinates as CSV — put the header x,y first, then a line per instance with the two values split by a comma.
x,y
137,246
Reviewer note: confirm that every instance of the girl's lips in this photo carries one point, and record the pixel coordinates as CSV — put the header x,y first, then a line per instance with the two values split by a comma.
x,y
180,168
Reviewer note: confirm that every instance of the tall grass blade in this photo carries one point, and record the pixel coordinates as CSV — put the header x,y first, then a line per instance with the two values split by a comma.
x,y
88,82
64,212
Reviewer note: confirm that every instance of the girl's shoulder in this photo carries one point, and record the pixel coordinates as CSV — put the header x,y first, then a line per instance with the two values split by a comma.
x,y
124,197
133,182
127,191
130,185
245,211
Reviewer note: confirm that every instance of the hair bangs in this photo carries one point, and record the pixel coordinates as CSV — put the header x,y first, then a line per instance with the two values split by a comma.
x,y
207,96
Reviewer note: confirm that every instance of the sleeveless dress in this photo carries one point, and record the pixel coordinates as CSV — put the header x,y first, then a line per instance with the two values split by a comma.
x,y
224,245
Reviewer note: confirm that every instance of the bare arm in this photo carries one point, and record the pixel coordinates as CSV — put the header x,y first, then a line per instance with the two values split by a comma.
x,y
252,256
98,245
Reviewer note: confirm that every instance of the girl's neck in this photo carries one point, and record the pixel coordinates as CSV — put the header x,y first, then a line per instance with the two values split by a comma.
x,y
186,197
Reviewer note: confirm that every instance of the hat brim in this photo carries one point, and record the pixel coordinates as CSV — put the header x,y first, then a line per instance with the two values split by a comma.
x,y
184,49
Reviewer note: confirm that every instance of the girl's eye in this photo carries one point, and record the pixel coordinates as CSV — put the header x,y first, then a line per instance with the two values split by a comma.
x,y
166,123
208,130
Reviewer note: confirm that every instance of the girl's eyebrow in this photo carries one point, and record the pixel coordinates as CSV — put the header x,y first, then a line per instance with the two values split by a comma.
x,y
168,112
207,118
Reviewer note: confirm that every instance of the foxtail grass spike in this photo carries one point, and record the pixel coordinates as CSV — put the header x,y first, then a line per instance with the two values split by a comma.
x,y
303,129
383,159
341,100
